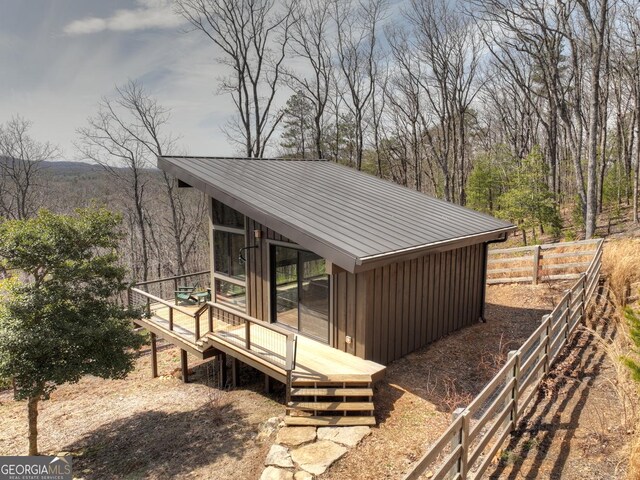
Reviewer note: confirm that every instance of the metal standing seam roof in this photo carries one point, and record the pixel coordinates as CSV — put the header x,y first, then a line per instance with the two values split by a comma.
x,y
350,218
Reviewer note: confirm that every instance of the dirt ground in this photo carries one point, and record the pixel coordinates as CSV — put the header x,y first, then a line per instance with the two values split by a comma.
x,y
162,428
581,424
145,428
415,400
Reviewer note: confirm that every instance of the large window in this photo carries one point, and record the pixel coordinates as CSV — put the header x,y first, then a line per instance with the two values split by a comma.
x,y
226,216
226,254
229,271
300,291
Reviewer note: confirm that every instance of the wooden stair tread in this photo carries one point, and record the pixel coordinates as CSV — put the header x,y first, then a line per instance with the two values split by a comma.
x,y
327,421
340,406
332,392
300,378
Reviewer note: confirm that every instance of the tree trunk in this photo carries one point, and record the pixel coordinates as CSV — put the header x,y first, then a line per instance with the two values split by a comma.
x,y
32,407
318,136
462,194
597,48
552,146
636,180
592,198
603,167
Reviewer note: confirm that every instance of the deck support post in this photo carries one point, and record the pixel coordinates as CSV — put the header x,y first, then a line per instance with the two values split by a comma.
x,y
184,366
222,370
268,384
235,372
154,355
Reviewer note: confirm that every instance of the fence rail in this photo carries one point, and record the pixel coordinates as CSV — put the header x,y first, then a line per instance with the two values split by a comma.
x,y
476,433
553,261
168,311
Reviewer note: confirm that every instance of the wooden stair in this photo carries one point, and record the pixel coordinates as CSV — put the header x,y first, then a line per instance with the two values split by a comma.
x,y
331,403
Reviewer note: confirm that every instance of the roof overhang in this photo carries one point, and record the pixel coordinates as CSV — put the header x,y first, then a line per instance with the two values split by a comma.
x,y
373,261
336,256
342,259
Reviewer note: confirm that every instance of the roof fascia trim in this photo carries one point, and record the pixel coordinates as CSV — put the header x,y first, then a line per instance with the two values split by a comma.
x,y
373,261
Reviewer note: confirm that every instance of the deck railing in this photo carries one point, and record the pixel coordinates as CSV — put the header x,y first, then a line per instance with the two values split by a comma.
x,y
140,294
476,433
552,261
269,342
167,311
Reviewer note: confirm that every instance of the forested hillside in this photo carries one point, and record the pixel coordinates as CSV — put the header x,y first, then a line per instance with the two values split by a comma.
x,y
527,110
64,186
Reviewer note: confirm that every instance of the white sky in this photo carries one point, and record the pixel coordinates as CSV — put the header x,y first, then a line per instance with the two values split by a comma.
x,y
59,57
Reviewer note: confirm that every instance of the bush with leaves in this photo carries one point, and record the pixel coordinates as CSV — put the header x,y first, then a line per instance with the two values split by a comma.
x,y
58,319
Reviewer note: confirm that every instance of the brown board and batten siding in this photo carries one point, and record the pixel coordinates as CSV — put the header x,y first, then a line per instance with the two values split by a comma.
x,y
395,309
405,269
388,311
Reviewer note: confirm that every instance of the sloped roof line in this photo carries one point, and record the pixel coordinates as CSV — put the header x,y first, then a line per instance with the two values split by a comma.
x,y
351,218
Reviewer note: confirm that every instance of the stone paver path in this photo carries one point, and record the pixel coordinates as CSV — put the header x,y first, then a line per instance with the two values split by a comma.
x,y
301,453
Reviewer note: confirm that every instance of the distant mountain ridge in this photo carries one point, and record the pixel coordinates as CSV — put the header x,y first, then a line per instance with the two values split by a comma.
x,y
62,167
66,166
59,165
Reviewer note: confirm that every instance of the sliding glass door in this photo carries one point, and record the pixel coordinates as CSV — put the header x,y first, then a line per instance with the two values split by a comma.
x,y
300,291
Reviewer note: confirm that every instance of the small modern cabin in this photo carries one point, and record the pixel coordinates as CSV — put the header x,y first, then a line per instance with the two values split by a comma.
x,y
353,270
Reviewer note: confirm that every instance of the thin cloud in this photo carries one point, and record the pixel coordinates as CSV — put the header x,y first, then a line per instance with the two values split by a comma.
x,y
149,15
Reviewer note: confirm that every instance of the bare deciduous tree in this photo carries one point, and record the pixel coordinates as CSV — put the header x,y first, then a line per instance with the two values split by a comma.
x,y
448,46
108,142
252,36
21,158
147,121
125,138
310,42
595,19
629,63
357,46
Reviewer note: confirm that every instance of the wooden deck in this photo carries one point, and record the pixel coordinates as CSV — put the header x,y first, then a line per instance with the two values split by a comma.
x,y
315,361
324,386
